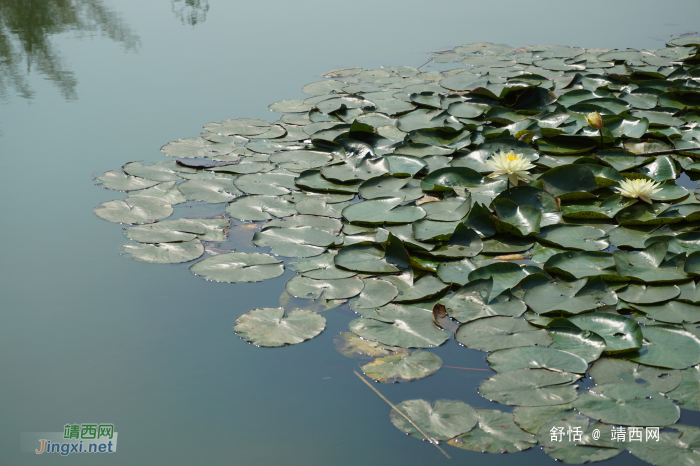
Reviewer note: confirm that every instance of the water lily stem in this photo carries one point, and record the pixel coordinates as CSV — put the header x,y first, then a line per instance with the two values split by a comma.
x,y
427,437
601,138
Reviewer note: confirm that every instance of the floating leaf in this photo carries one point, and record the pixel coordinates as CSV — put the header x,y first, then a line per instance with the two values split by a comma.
x,y
582,343
687,394
493,333
295,242
258,207
443,421
530,387
309,288
379,211
134,210
118,181
667,346
536,357
569,297
271,327
627,405
566,449
672,449
404,326
164,253
238,267
352,346
620,334
403,367
613,370
495,433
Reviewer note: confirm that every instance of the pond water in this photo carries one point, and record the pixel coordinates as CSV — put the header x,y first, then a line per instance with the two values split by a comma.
x,y
89,336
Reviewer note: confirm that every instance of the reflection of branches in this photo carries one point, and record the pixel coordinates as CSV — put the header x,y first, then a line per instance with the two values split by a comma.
x,y
191,12
26,27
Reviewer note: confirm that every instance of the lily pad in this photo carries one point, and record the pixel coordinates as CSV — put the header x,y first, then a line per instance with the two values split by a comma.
x,y
494,333
582,343
295,242
136,210
309,288
404,326
536,357
627,405
352,346
495,433
403,367
620,333
667,346
442,421
570,297
530,387
259,207
238,267
271,327
164,253
613,370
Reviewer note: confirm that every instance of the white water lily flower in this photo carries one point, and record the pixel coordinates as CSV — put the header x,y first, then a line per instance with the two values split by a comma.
x,y
510,166
642,189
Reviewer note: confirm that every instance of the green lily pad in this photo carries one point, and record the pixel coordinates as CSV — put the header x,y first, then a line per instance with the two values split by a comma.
x,y
627,405
536,357
136,210
580,264
444,179
309,288
532,418
667,346
493,333
425,288
443,421
376,293
380,211
505,276
580,237
259,207
449,210
271,327
167,231
295,242
211,190
167,192
648,294
118,181
164,253
389,258
473,301
274,184
569,179
456,272
567,449
495,433
649,265
675,312
569,297
403,367
687,394
620,333
352,346
582,343
613,370
464,242
530,387
521,220
404,326
678,448
238,267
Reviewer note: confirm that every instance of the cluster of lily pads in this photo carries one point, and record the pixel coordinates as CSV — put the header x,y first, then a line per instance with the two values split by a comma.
x,y
392,192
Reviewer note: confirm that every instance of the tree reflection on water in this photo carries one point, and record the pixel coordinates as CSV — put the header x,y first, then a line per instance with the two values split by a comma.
x,y
191,12
27,28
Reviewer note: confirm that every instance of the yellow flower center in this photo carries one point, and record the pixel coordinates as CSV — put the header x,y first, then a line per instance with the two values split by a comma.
x,y
512,157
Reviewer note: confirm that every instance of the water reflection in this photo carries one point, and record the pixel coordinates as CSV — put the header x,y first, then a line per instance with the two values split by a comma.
x,y
191,12
27,28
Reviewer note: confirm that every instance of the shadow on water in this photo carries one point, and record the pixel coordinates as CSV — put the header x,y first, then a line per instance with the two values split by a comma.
x,y
191,12
27,28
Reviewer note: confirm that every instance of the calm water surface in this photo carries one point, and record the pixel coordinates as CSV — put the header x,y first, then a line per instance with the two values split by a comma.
x,y
88,336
